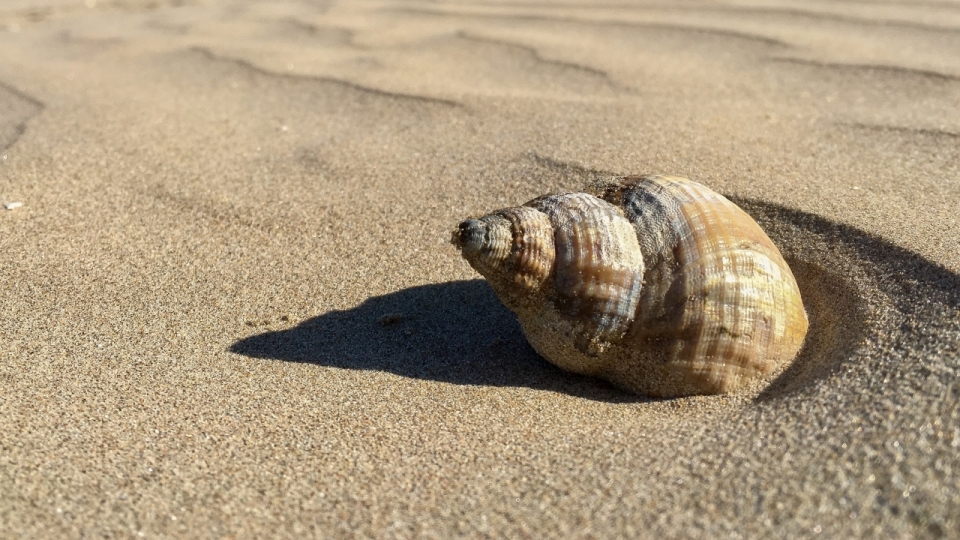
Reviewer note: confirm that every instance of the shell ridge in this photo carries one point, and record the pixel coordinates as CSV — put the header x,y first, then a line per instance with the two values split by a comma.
x,y
532,248
588,281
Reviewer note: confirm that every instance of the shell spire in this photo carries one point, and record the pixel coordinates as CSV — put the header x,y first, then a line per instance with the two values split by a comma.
x,y
658,284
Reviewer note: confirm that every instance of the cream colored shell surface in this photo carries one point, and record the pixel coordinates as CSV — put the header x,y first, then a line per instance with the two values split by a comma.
x,y
657,284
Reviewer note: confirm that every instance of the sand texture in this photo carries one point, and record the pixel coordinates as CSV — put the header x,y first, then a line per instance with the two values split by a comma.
x,y
230,308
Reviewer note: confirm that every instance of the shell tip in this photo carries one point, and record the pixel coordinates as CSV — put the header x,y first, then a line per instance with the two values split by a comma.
x,y
468,236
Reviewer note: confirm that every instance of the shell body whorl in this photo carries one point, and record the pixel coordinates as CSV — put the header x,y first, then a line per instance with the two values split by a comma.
x,y
658,284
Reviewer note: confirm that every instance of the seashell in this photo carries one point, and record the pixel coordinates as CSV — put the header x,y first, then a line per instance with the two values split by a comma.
x,y
655,283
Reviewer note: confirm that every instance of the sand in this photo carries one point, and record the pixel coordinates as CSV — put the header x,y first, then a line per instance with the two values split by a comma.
x,y
230,308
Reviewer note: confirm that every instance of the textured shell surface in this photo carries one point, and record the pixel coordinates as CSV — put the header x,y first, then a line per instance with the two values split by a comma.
x,y
655,283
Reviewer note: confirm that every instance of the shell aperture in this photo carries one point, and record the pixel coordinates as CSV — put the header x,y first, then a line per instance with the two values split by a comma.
x,y
657,284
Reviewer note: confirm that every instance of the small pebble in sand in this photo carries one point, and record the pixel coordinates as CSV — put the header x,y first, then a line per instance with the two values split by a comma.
x,y
12,205
391,319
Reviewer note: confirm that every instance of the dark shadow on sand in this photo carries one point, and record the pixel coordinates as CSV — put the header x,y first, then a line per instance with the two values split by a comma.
x,y
460,333
456,332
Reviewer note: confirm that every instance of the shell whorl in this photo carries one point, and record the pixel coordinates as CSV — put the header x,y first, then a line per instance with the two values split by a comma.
x,y
718,308
598,268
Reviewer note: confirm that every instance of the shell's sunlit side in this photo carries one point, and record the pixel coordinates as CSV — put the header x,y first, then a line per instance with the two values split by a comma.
x,y
655,283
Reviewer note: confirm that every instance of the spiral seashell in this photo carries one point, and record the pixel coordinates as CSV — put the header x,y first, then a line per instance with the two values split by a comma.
x,y
655,283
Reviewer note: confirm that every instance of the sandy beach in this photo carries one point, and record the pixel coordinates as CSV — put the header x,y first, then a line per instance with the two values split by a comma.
x,y
230,307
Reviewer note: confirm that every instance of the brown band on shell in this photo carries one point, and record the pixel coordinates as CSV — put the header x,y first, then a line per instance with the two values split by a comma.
x,y
532,250
652,207
598,268
653,210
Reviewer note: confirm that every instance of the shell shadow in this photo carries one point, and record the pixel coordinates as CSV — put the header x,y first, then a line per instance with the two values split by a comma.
x,y
456,332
